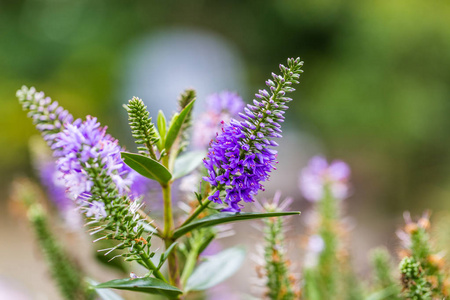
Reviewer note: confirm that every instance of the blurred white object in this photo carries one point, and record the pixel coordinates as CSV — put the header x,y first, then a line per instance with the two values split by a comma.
x,y
9,290
158,67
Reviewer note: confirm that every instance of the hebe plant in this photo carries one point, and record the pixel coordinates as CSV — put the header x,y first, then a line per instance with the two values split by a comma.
x,y
109,188
99,176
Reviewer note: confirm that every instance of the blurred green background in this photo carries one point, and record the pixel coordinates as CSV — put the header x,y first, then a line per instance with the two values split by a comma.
x,y
375,92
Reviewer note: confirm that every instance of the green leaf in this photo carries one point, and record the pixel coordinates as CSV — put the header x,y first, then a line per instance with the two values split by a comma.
x,y
148,285
103,294
176,124
147,167
187,163
165,255
161,122
216,269
226,217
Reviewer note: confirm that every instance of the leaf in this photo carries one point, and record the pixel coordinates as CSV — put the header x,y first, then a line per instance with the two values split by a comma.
x,y
165,255
226,217
103,294
216,269
187,163
161,121
148,285
147,167
176,124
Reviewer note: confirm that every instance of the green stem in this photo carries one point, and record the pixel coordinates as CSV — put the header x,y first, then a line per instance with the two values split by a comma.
x,y
174,272
148,262
168,216
190,264
197,211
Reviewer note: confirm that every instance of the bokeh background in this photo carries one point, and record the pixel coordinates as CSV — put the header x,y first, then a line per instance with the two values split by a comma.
x,y
375,92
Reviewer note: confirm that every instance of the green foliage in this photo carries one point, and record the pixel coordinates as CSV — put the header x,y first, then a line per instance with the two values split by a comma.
x,y
187,163
65,273
414,281
142,127
422,271
185,98
147,167
381,262
145,285
216,269
162,128
103,294
328,266
280,284
226,217
176,125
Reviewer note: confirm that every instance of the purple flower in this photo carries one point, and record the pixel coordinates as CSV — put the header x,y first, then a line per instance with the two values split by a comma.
x,y
225,102
86,147
220,107
96,209
319,175
240,159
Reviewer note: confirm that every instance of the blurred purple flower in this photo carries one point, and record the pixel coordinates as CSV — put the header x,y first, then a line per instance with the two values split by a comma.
x,y
96,210
86,146
219,107
318,175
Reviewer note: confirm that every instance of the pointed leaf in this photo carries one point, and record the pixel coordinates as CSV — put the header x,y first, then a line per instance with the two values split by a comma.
x,y
147,167
176,124
216,269
187,163
103,294
165,255
161,122
106,294
148,285
226,217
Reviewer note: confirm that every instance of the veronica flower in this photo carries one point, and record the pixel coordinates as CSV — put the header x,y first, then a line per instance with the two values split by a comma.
x,y
319,174
219,107
240,158
93,173
88,145
54,185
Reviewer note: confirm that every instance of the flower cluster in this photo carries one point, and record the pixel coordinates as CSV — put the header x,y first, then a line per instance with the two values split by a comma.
x,y
274,269
93,172
240,158
88,146
319,175
422,268
219,107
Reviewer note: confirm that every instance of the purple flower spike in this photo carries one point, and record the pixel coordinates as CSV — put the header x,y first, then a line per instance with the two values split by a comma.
x,y
318,175
239,159
88,145
220,107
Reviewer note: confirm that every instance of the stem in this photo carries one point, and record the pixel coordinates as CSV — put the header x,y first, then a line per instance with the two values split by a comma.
x,y
150,150
190,264
168,216
197,211
174,272
148,262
